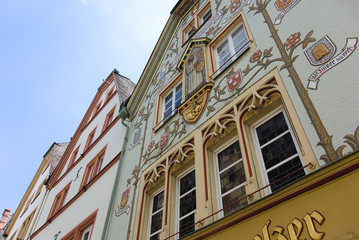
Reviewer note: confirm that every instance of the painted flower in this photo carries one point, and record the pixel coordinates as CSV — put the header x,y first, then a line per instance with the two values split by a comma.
x,y
255,57
141,112
209,31
292,40
150,146
135,170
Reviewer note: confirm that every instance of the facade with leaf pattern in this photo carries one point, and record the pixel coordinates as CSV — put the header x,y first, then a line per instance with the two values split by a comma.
x,y
244,125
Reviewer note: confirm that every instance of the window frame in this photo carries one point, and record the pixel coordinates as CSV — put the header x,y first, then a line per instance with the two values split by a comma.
x,y
59,201
109,93
161,190
74,156
174,100
234,55
87,230
257,147
93,168
178,218
160,120
217,173
203,12
109,118
90,139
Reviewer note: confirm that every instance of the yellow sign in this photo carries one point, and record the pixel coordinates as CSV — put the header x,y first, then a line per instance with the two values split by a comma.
x,y
294,228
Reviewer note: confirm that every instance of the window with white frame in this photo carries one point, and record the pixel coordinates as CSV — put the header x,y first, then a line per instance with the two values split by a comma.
x,y
171,101
206,15
278,151
231,178
186,203
86,233
155,225
232,47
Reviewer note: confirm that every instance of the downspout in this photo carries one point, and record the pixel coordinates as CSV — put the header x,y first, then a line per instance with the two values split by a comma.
x,y
123,114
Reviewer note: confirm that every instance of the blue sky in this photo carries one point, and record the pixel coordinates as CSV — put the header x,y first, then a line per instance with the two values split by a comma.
x,y
53,57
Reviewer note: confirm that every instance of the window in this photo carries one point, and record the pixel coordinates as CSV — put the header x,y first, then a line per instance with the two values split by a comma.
x,y
205,14
93,168
82,231
278,151
86,233
186,203
231,178
155,225
90,139
73,156
38,192
27,204
59,201
231,47
109,118
97,108
108,95
189,31
172,100
25,227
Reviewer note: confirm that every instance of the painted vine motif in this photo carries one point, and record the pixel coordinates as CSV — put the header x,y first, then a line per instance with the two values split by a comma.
x,y
260,60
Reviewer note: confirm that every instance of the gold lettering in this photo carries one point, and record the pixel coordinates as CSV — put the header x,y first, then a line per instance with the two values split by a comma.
x,y
295,228
314,234
265,230
279,230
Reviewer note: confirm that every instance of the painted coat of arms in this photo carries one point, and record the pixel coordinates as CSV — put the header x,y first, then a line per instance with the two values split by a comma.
x,y
136,139
234,81
321,51
282,4
164,139
123,208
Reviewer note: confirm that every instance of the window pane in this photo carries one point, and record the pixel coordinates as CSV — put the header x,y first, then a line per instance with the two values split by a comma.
x,y
158,202
157,212
283,170
187,183
231,198
271,128
224,53
178,95
207,16
239,39
278,151
229,156
187,203
186,222
232,177
156,222
168,105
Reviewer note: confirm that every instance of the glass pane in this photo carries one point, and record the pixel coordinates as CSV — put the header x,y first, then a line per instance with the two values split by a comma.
x,y
157,202
272,128
186,222
187,203
168,105
187,183
178,96
239,39
207,16
278,151
229,156
156,222
224,53
155,237
283,170
231,198
232,177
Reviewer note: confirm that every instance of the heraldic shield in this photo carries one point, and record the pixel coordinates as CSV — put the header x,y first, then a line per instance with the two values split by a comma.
x,y
282,4
234,81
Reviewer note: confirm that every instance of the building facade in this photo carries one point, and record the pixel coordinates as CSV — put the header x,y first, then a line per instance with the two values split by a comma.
x,y
81,185
244,125
24,219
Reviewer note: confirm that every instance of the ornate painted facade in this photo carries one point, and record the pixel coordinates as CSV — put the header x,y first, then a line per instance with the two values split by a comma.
x,y
243,125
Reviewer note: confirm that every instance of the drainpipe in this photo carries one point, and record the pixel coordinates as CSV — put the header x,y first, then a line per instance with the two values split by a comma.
x,y
123,114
